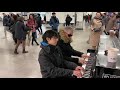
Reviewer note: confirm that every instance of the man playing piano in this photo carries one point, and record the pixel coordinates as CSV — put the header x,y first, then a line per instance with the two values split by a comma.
x,y
67,50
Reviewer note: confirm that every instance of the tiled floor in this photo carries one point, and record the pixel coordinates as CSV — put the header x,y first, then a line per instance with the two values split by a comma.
x,y
26,65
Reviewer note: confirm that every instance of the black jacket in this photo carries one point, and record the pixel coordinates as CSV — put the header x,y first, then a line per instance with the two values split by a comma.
x,y
52,63
39,21
5,21
68,51
68,19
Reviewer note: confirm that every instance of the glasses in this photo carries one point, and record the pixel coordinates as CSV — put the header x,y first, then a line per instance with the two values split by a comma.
x,y
70,35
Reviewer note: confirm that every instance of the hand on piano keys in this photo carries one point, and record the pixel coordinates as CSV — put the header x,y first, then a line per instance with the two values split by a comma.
x,y
86,59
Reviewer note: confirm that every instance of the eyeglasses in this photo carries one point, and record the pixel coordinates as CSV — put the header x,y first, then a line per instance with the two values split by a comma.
x,y
70,35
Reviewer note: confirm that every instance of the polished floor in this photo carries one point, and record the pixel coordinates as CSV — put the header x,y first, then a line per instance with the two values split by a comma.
x,y
26,65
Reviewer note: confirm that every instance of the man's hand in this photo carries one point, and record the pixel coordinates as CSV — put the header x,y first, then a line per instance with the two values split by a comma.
x,y
78,74
79,68
85,56
82,61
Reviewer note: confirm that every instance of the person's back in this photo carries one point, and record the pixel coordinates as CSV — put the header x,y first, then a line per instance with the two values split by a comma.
x,y
20,30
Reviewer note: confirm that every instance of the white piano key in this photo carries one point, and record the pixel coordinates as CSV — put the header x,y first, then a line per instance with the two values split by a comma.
x,y
84,66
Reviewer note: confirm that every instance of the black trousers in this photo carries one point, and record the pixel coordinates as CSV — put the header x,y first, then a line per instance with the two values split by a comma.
x,y
40,27
13,36
67,23
34,38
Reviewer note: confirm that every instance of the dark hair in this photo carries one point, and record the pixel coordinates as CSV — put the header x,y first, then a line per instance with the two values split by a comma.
x,y
15,17
32,15
49,34
38,14
53,13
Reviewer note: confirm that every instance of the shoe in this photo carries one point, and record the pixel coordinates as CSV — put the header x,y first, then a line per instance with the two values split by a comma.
x,y
25,52
15,52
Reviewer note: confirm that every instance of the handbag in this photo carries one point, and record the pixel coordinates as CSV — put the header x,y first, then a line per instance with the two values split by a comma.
x,y
97,29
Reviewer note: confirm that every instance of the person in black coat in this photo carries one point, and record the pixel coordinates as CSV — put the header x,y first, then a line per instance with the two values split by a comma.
x,y
45,18
52,63
68,20
20,34
67,50
5,23
39,23
12,28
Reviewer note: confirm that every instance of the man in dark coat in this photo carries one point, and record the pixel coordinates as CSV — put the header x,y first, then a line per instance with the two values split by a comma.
x,y
67,50
39,23
68,20
52,63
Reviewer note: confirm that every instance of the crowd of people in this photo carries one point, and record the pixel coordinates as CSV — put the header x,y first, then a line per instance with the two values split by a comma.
x,y
15,24
87,18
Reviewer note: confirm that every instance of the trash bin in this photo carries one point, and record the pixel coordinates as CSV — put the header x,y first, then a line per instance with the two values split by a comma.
x,y
79,25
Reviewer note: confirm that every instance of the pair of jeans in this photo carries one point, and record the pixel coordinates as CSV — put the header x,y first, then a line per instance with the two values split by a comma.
x,y
34,38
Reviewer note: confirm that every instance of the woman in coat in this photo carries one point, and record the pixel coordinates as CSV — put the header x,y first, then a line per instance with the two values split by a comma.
x,y
111,22
20,34
31,23
96,31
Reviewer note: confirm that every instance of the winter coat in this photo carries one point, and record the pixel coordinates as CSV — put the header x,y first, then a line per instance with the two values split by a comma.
x,y
54,24
68,19
52,63
67,49
95,36
31,23
20,31
39,21
111,24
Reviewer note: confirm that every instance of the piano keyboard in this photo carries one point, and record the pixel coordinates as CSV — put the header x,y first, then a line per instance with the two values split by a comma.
x,y
89,66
